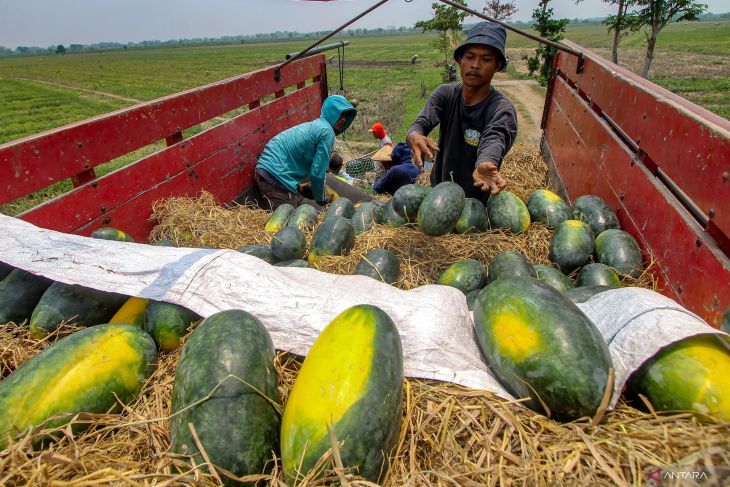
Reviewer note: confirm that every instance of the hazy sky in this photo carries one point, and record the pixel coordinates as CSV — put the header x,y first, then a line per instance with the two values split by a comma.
x,y
50,22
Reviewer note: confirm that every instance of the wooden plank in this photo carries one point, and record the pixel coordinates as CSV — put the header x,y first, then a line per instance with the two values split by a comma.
x,y
219,160
36,162
691,145
591,159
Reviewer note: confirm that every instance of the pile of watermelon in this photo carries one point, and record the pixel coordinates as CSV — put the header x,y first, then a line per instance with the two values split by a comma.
x,y
349,391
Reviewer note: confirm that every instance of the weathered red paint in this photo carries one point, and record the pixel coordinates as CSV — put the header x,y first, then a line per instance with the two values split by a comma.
x,y
590,158
75,148
219,160
689,143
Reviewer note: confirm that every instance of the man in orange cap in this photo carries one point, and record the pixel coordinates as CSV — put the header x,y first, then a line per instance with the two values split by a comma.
x,y
378,132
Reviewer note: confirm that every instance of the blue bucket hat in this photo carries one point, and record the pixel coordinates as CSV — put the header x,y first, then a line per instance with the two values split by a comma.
x,y
488,34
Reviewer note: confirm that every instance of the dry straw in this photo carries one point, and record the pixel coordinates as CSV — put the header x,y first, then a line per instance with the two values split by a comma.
x,y
450,435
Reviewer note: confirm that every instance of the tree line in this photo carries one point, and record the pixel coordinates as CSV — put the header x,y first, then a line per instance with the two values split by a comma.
x,y
198,41
647,16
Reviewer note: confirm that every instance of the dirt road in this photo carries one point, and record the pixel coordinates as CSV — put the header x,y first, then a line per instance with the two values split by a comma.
x,y
525,95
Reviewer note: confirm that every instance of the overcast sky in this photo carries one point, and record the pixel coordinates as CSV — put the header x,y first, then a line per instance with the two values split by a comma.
x,y
50,22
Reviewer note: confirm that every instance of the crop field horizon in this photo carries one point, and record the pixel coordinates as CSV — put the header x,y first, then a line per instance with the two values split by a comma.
x,y
39,93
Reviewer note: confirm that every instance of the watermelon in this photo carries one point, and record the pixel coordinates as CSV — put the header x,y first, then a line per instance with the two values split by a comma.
x,y
571,245
407,199
540,345
288,243
584,293
334,236
292,263
343,207
109,233
597,275
229,355
303,218
506,210
688,375
466,275
5,270
619,250
278,218
132,312
91,371
168,323
391,217
440,209
547,207
380,264
473,218
352,382
263,252
20,292
553,277
164,243
366,216
74,304
471,298
509,264
596,212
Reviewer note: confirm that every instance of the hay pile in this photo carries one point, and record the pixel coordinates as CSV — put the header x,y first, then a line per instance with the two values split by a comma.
x,y
450,435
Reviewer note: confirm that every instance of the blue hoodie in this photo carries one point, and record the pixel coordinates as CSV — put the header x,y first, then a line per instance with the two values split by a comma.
x,y
304,150
402,172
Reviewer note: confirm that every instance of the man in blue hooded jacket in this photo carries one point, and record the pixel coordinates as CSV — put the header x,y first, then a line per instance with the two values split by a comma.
x,y
302,152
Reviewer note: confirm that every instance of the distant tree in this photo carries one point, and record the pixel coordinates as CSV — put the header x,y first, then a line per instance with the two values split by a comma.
x,y
500,10
60,49
549,28
447,21
654,15
76,47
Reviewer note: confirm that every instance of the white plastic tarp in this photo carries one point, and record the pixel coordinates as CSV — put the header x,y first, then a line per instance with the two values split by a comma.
x,y
295,304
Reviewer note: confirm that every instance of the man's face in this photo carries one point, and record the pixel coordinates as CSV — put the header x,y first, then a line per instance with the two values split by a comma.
x,y
478,65
340,124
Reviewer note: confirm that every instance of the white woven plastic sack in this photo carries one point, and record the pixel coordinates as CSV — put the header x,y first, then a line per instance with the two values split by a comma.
x,y
636,323
294,304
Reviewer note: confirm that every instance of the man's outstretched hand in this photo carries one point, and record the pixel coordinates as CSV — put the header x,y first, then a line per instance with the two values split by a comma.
x,y
421,146
487,178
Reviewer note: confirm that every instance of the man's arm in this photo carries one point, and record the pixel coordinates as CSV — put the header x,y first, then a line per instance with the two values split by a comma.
x,y
417,135
494,143
320,164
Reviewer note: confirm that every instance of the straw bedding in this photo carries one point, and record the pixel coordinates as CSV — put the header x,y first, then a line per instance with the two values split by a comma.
x,y
450,435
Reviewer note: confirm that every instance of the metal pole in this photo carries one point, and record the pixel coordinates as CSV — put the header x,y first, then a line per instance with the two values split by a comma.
x,y
277,71
320,49
534,37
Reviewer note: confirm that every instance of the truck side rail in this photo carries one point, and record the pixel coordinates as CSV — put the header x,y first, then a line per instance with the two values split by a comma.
x,y
658,160
220,159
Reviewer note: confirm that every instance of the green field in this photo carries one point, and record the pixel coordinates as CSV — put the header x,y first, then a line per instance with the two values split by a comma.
x,y
38,93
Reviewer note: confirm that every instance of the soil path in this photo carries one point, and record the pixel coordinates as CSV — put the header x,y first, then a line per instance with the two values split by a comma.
x,y
84,90
525,95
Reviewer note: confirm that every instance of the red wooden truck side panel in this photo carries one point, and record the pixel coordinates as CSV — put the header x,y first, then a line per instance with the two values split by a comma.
x,y
25,165
591,157
219,160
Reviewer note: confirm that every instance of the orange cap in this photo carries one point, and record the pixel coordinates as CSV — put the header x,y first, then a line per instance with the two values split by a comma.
x,y
378,130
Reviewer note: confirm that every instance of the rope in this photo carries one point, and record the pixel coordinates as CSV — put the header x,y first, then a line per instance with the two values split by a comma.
x,y
341,61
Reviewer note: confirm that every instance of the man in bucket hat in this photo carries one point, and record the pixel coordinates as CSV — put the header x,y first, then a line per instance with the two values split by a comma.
x,y
478,125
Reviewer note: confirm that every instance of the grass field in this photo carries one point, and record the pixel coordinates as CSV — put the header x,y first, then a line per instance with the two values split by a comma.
x,y
38,93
